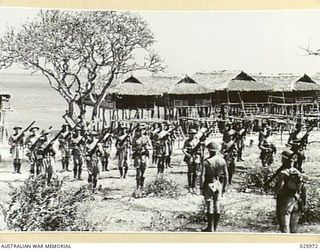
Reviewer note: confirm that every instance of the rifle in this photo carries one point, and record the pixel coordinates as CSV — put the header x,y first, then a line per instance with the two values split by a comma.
x,y
169,133
303,140
92,150
26,129
51,143
31,148
201,140
127,135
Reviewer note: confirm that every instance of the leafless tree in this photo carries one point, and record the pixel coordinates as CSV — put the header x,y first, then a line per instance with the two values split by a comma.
x,y
71,49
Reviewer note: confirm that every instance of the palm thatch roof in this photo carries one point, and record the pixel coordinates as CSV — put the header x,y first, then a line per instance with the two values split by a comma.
x,y
230,81
288,82
133,86
188,86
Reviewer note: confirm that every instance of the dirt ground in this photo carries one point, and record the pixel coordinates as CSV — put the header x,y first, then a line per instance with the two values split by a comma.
x,y
114,208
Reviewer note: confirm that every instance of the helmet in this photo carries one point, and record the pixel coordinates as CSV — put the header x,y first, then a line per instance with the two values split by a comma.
x,y
287,154
212,146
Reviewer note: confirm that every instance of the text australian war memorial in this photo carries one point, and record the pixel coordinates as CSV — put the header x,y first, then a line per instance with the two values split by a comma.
x,y
137,149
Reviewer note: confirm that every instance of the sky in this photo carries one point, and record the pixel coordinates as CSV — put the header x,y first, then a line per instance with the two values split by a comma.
x,y
252,41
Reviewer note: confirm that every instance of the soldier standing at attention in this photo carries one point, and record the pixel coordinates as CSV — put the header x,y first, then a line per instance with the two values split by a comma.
x,y
298,141
291,194
48,152
64,146
92,159
171,141
105,149
213,172
16,141
77,147
30,144
140,146
240,133
123,145
229,151
192,159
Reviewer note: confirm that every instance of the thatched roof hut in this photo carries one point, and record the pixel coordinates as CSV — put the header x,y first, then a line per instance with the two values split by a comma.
x,y
230,81
188,86
132,86
286,82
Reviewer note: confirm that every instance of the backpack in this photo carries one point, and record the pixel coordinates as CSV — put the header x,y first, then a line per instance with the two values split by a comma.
x,y
293,182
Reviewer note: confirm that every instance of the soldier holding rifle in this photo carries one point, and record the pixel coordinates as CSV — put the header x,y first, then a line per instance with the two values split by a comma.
x,y
298,142
94,150
141,145
77,148
64,146
48,150
229,151
16,141
30,142
124,148
193,151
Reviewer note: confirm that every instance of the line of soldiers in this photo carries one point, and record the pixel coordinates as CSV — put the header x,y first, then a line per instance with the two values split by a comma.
x,y
135,143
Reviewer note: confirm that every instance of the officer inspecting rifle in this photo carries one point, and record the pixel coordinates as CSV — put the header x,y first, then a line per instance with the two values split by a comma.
x,y
213,181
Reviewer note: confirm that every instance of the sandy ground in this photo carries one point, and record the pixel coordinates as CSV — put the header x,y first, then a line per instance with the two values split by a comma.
x,y
114,208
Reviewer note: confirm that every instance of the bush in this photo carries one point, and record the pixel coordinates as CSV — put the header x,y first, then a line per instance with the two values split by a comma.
x,y
161,223
162,186
254,180
312,212
36,206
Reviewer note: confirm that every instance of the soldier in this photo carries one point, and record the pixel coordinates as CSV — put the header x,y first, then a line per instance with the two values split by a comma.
x,y
298,141
105,150
264,131
240,134
192,158
213,172
31,141
123,145
226,129
140,146
291,194
153,137
162,150
77,147
64,146
229,151
48,150
16,141
92,158
169,145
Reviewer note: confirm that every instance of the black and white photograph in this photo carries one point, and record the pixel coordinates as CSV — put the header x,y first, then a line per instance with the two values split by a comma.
x,y
159,121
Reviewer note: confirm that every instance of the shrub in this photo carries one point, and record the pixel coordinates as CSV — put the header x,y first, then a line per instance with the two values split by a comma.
x,y
162,186
161,223
254,180
36,206
312,212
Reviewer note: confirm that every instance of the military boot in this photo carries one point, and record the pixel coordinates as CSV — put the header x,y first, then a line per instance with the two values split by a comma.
x,y
14,167
216,219
142,182
125,172
18,168
121,172
209,221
